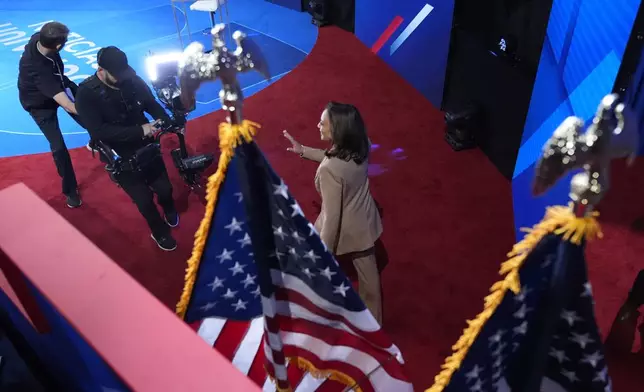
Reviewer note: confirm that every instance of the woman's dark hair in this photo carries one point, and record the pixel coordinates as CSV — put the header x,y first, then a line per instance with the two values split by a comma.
x,y
350,141
53,34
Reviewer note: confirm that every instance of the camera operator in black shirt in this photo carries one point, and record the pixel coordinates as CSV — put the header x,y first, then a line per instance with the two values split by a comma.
x,y
43,87
112,104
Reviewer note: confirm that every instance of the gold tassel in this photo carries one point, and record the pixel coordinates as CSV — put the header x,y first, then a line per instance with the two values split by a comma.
x,y
558,220
307,366
230,136
334,375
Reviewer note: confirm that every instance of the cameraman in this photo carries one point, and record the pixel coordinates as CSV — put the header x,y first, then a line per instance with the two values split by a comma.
x,y
112,103
43,87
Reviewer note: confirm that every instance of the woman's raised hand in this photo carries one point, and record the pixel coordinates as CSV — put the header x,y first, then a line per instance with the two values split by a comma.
x,y
296,147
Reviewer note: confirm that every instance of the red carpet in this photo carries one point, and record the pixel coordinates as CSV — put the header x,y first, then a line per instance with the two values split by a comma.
x,y
615,260
447,216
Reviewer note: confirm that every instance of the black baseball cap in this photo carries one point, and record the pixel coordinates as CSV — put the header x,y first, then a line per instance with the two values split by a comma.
x,y
114,61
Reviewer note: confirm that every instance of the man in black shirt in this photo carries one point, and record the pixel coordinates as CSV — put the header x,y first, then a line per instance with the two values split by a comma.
x,y
111,104
43,87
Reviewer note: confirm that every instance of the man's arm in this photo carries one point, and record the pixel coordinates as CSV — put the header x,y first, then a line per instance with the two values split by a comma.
x,y
89,109
63,100
151,105
50,85
71,84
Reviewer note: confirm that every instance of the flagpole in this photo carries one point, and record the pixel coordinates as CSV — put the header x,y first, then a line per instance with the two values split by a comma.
x,y
252,181
569,149
530,377
197,67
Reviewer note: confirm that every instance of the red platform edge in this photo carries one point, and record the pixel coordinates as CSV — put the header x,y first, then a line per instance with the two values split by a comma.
x,y
147,345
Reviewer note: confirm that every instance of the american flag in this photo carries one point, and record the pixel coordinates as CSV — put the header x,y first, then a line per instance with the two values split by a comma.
x,y
268,289
545,339
242,343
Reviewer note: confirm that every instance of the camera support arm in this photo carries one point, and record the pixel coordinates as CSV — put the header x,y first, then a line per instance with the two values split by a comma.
x,y
197,66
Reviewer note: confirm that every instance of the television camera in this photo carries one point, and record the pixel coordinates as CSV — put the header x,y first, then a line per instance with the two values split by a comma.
x,y
162,73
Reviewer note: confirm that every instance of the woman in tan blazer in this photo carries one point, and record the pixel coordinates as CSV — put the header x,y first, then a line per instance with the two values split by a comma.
x,y
349,222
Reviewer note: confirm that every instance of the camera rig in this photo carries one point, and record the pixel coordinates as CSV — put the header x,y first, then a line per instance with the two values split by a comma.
x,y
189,167
163,74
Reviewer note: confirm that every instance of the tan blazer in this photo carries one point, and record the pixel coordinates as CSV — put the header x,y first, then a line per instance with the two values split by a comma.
x,y
349,220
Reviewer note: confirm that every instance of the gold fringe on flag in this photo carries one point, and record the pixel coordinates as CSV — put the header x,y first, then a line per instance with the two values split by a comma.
x,y
308,367
558,220
334,375
230,136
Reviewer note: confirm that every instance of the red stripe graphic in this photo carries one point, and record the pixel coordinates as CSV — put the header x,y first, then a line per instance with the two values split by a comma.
x,y
387,34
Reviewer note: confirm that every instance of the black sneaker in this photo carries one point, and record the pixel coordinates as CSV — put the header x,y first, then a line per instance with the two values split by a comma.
x,y
110,171
172,218
74,200
90,147
166,243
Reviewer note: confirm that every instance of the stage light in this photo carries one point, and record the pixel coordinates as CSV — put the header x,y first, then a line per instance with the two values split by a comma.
x,y
161,66
163,70
460,130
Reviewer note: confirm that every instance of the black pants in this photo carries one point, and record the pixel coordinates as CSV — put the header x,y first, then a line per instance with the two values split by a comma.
x,y
141,187
47,121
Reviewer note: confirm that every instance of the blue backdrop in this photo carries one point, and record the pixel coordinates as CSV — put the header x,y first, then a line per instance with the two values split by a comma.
x,y
580,59
416,36
137,27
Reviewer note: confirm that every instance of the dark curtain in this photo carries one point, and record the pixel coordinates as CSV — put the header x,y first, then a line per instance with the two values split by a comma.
x,y
343,14
339,13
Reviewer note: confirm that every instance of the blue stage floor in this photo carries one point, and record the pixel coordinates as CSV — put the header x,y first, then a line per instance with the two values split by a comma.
x,y
138,27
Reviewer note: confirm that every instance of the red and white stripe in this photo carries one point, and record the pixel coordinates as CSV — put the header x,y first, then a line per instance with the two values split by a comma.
x,y
241,342
332,337
303,324
274,350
